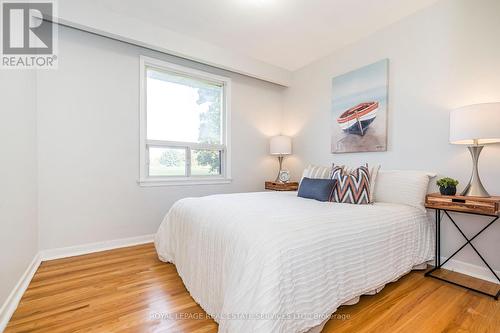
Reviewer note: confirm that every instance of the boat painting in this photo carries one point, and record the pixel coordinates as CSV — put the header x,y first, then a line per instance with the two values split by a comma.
x,y
359,109
357,119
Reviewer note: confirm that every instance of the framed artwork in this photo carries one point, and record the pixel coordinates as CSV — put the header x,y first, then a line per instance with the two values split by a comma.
x,y
359,109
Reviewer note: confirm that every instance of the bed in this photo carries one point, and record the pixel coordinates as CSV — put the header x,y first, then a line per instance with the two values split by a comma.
x,y
274,262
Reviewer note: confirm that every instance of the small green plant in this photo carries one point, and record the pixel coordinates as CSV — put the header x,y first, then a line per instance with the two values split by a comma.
x,y
447,182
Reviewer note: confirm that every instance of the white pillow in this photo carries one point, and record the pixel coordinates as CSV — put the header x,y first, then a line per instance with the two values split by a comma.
x,y
316,171
403,187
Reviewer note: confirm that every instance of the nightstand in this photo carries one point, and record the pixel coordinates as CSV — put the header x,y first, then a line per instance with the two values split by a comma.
x,y
289,186
443,204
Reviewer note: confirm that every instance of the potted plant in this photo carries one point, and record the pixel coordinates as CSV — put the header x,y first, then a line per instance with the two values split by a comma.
x,y
447,186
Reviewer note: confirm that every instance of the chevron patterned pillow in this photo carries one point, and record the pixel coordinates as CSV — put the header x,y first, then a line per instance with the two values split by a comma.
x,y
352,187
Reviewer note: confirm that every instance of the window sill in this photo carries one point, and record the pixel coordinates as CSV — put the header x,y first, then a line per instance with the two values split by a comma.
x,y
182,182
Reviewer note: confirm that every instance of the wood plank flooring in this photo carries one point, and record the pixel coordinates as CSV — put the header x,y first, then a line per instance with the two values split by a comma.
x,y
130,290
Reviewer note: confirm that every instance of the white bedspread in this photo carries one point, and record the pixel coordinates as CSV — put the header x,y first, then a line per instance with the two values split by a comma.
x,y
273,262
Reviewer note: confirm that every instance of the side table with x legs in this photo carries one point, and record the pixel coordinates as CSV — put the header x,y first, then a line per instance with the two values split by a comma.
x,y
443,204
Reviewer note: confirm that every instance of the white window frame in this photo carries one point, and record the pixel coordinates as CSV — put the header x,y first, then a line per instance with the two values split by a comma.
x,y
224,147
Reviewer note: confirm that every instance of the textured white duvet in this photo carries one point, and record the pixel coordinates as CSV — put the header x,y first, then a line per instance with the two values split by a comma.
x,y
273,262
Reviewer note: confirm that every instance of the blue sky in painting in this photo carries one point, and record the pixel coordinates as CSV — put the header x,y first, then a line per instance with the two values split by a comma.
x,y
366,84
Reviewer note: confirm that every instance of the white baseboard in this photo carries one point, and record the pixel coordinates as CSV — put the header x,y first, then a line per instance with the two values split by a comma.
x,y
12,301
10,304
479,272
71,251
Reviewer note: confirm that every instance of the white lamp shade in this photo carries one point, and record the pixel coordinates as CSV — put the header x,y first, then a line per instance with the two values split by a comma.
x,y
475,124
280,145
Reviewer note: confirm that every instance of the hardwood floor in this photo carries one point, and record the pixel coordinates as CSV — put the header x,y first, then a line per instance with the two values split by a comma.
x,y
129,289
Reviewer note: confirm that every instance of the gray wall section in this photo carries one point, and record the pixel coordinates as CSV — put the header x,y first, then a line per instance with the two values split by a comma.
x,y
88,134
18,185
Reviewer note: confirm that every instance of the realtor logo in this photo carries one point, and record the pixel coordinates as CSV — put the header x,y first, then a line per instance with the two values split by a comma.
x,y
28,35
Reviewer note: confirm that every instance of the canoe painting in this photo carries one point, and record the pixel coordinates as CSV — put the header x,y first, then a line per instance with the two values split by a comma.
x,y
357,119
359,109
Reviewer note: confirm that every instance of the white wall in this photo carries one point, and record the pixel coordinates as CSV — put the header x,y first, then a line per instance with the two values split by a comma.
x,y
443,57
88,135
18,185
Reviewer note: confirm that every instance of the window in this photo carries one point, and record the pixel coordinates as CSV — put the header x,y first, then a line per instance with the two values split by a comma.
x,y
184,125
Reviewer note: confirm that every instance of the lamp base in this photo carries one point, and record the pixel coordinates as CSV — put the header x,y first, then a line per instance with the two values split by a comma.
x,y
280,160
475,188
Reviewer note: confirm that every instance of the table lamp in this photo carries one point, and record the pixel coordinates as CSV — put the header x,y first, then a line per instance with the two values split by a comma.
x,y
475,126
280,146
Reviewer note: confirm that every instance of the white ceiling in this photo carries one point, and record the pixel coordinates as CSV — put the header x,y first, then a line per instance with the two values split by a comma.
x,y
286,33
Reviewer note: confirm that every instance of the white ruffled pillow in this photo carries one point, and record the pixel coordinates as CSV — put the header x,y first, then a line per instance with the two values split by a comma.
x,y
402,187
316,171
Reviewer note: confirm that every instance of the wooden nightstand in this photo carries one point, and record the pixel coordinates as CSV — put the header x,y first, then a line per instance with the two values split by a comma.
x,y
467,205
289,186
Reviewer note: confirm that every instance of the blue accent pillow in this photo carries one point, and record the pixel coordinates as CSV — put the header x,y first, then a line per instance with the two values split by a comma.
x,y
317,189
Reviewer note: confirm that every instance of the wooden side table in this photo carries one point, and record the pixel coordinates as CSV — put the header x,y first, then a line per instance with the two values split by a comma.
x,y
288,186
489,207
